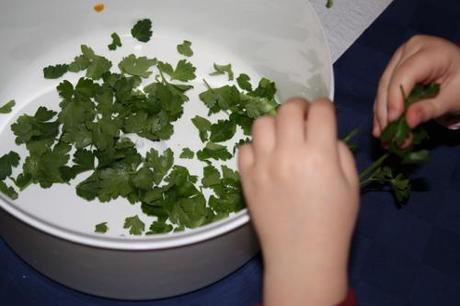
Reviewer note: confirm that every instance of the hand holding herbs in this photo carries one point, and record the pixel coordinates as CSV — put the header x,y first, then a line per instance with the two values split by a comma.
x,y
404,147
426,59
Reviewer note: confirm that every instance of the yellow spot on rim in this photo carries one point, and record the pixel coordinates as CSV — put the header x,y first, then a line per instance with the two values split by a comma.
x,y
99,7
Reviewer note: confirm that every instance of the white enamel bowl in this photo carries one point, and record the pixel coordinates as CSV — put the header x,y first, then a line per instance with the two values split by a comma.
x,y
53,230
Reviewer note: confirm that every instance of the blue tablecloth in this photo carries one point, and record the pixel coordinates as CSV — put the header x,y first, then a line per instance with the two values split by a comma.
x,y
408,256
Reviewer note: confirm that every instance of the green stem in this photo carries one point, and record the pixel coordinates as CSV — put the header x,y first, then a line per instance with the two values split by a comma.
x,y
207,85
350,135
163,77
373,166
365,182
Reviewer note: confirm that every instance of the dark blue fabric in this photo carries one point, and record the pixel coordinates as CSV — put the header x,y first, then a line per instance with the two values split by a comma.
x,y
408,256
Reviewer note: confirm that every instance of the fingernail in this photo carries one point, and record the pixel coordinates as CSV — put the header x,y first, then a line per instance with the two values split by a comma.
x,y
375,130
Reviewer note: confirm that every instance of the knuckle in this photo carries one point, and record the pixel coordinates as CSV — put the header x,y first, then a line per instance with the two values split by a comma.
x,y
261,177
262,124
293,105
312,160
281,169
323,105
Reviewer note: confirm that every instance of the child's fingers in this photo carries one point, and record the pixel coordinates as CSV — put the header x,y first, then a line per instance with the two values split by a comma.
x,y
290,123
376,127
263,137
380,104
348,165
245,158
322,126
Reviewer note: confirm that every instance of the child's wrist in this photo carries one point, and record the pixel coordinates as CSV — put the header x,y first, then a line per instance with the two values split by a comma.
x,y
306,285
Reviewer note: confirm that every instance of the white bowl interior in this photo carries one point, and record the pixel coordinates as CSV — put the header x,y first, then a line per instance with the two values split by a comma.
x,y
280,40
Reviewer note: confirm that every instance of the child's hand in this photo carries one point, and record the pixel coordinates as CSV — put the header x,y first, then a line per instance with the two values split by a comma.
x,y
423,59
301,187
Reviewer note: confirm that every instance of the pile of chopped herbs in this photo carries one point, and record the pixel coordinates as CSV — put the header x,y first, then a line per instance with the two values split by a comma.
x,y
87,139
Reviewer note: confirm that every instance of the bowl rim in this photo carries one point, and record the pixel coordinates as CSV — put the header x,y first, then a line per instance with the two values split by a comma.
x,y
153,242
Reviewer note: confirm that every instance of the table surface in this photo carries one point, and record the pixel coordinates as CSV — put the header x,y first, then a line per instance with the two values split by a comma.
x,y
400,256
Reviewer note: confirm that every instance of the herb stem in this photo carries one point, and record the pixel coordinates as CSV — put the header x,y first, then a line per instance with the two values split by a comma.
x,y
350,135
163,77
373,167
207,85
365,182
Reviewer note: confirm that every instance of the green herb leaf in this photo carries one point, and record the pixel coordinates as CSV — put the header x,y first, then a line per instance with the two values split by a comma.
x,y
190,212
29,128
84,160
22,181
159,163
8,191
214,151
211,177
137,66
159,227
143,179
220,99
187,153
203,125
265,89
79,63
116,42
416,157
101,228
7,107
55,72
222,130
7,163
184,71
135,225
243,121
65,90
98,65
44,167
244,83
401,188
142,30
223,69
256,107
185,48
